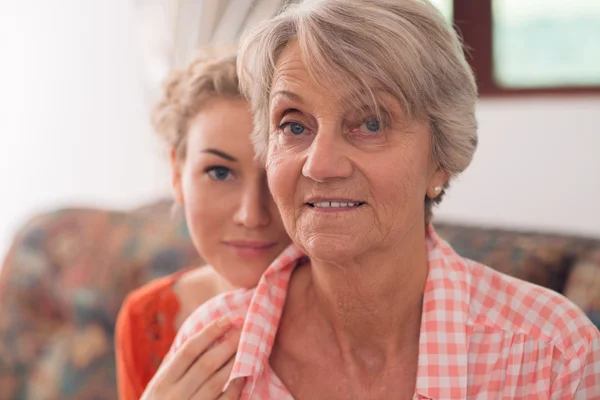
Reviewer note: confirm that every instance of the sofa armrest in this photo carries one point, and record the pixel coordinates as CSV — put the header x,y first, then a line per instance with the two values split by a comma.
x,y
50,260
78,363
64,280
30,308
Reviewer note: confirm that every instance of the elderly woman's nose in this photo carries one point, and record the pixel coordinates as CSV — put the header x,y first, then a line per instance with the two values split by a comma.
x,y
253,210
326,157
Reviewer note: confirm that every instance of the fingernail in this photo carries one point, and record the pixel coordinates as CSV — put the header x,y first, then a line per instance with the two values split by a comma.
x,y
225,321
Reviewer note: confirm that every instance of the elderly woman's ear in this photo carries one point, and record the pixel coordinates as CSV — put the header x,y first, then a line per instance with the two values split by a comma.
x,y
437,184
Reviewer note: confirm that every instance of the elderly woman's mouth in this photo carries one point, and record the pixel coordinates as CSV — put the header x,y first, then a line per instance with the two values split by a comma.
x,y
335,205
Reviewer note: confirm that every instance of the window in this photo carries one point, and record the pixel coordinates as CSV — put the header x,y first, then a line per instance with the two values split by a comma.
x,y
546,43
532,46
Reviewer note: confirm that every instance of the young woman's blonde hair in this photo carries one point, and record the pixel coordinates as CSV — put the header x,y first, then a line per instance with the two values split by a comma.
x,y
211,74
405,47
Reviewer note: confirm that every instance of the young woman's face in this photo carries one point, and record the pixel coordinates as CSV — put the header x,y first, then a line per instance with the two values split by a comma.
x,y
230,213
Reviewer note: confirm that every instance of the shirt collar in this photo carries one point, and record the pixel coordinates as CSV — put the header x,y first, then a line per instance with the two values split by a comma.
x,y
442,364
263,316
443,356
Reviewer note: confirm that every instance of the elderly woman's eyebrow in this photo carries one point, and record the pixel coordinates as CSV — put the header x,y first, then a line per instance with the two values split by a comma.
x,y
384,105
287,94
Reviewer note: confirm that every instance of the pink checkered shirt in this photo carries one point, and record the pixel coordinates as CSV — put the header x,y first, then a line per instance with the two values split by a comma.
x,y
484,335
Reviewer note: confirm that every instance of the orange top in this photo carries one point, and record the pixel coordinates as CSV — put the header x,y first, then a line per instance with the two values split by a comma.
x,y
144,333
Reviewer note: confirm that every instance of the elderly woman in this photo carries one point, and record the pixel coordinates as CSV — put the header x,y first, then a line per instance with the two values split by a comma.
x,y
364,111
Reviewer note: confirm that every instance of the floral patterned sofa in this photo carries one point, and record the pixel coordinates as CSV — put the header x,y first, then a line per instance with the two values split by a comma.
x,y
68,272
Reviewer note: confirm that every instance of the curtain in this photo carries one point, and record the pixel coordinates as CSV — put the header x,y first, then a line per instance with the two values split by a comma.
x,y
169,31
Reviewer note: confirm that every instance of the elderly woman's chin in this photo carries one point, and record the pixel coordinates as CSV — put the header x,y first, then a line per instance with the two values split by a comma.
x,y
335,237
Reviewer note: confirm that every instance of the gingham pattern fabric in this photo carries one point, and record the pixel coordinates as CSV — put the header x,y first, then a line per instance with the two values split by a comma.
x,y
484,335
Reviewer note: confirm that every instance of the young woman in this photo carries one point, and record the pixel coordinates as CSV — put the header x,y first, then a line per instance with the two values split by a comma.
x,y
234,225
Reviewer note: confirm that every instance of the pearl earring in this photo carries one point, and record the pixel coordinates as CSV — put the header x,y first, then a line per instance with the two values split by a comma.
x,y
437,190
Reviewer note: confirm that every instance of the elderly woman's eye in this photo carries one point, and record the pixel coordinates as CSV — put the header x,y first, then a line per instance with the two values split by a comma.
x,y
219,173
293,127
371,125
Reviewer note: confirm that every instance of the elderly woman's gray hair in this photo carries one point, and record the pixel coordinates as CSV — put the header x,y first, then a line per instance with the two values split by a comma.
x,y
404,47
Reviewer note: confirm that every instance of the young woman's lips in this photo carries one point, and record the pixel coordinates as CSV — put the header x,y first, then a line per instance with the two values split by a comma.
x,y
250,249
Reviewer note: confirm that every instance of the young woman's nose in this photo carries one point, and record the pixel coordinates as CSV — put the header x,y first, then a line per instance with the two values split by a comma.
x,y
253,209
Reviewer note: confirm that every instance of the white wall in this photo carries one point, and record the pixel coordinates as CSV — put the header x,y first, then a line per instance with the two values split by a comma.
x,y
537,166
73,123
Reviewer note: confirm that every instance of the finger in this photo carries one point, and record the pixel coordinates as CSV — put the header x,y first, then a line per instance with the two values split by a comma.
x,y
209,363
234,391
213,387
183,359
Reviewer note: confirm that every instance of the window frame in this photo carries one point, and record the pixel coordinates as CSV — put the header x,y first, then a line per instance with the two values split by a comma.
x,y
473,20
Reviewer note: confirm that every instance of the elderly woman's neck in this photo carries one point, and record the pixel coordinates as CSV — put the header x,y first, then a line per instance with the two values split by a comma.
x,y
373,304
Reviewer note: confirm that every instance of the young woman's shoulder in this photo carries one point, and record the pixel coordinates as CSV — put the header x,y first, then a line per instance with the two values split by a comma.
x,y
146,327
195,288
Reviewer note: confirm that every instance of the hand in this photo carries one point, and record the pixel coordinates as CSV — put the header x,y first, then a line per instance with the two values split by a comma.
x,y
200,369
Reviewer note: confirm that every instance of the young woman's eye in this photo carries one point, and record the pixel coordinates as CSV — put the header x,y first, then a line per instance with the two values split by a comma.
x,y
372,125
293,128
218,173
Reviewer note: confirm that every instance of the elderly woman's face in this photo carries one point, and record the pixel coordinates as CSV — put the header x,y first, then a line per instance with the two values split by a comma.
x,y
344,181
